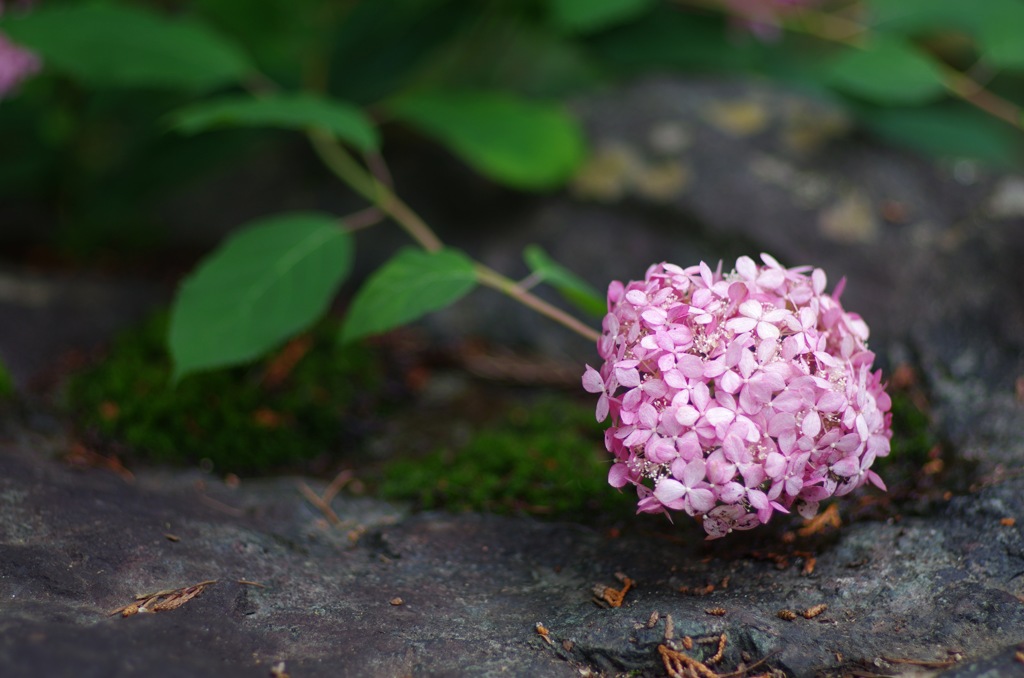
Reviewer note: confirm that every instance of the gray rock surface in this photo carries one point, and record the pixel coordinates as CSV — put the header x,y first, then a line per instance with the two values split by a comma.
x,y
684,171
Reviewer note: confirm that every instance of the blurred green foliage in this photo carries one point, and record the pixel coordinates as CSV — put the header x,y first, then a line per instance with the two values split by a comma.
x,y
82,138
303,402
543,458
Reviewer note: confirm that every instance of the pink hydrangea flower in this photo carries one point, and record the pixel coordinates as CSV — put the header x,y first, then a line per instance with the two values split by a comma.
x,y
733,396
16,63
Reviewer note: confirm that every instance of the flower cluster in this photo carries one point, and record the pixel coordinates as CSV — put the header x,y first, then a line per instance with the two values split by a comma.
x,y
733,396
16,63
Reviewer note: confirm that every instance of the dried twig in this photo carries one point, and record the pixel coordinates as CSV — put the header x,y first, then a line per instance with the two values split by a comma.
x,y
611,596
315,499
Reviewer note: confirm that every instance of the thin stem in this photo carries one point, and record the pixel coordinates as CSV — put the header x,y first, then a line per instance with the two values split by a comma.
x,y
352,173
975,94
837,29
491,278
364,218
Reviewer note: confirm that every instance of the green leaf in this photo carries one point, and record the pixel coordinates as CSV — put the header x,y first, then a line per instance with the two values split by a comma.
x,y
1000,33
996,25
407,287
523,144
952,130
585,16
288,111
128,47
921,17
272,279
572,287
889,72
667,38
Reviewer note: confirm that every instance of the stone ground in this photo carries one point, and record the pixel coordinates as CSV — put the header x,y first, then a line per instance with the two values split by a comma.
x,y
687,170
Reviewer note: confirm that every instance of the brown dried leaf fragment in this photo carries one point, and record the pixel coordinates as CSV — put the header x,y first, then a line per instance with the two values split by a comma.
x,y
788,615
161,601
809,563
396,601
812,612
679,665
1007,522
715,611
543,632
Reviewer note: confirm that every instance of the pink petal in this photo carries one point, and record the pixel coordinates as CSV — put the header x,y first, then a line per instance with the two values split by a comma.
x,y
648,415
687,415
701,500
807,509
741,325
775,465
637,298
618,475
846,467
675,379
767,331
751,308
668,490
811,425
771,279
592,381
719,415
627,376
730,382
690,366
746,267
693,473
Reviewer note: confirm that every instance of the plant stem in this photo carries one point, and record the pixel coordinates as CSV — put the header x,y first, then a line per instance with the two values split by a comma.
x,y
975,94
838,29
345,167
490,278
352,173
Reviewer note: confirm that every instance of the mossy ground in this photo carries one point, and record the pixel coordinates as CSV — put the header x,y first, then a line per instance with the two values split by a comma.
x,y
543,457
283,413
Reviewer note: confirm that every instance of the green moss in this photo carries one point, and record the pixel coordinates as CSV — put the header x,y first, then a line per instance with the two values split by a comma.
x,y
6,383
913,438
243,420
544,458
